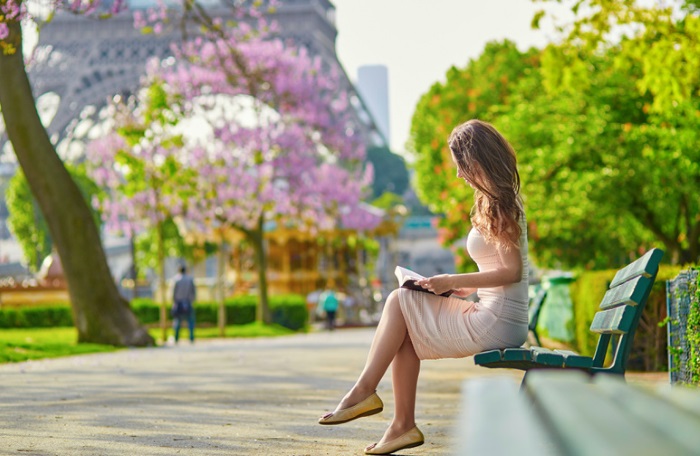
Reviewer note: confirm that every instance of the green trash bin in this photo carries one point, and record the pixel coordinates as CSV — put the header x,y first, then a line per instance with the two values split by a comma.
x,y
557,315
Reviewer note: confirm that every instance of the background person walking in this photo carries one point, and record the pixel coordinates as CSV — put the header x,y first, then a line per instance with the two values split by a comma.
x,y
184,294
329,302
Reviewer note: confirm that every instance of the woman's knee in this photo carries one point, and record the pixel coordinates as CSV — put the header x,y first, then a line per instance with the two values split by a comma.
x,y
392,305
394,296
392,300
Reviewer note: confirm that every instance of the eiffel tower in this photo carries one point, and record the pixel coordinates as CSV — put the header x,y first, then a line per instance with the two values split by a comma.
x,y
82,63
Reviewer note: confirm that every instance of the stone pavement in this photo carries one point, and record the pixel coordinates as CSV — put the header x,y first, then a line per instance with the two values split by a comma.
x,y
216,397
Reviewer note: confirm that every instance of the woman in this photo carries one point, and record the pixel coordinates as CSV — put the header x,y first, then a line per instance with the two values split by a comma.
x,y
416,325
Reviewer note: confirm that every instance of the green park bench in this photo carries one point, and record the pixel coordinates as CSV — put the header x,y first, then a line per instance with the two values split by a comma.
x,y
563,413
616,323
534,311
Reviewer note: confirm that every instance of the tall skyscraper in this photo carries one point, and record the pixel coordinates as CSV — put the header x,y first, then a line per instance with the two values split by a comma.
x,y
373,85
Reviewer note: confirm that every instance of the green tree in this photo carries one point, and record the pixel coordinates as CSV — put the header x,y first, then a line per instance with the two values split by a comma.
x,y
26,221
101,315
390,172
143,169
606,132
638,105
475,91
568,148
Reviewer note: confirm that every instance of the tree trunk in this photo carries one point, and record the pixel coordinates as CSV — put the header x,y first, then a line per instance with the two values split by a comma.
x,y
101,315
221,285
257,239
162,288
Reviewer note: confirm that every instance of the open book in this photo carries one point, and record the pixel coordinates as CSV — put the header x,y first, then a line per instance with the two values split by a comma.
x,y
407,279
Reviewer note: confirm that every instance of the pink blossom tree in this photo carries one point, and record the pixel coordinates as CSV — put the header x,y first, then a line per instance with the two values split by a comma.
x,y
101,315
292,157
144,167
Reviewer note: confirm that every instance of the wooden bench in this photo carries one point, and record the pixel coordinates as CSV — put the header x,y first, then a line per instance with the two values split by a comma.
x,y
571,413
616,323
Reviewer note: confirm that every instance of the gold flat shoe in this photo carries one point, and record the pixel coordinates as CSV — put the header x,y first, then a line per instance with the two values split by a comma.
x,y
410,439
369,406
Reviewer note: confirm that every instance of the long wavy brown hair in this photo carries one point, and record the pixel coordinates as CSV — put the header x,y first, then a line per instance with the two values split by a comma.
x,y
488,162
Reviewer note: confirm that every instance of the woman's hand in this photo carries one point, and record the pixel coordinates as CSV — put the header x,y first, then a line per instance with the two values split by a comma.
x,y
438,284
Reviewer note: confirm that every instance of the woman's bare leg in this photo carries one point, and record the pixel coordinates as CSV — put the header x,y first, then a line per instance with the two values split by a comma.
x,y
404,377
391,334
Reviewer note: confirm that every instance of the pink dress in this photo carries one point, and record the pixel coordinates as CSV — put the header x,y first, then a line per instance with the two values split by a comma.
x,y
451,327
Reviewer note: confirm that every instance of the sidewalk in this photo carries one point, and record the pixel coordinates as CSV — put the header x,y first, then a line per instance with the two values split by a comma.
x,y
217,397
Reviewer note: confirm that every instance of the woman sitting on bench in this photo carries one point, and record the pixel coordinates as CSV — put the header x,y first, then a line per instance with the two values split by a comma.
x,y
417,325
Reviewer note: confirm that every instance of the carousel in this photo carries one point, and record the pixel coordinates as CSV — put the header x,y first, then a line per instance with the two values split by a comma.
x,y
300,261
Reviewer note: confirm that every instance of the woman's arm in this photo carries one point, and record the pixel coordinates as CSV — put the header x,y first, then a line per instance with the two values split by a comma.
x,y
510,272
464,292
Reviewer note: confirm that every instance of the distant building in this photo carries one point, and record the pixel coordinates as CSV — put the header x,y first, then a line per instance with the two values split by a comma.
x,y
373,85
416,247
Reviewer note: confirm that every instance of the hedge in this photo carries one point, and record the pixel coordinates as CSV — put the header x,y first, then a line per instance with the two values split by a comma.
x,y
649,350
289,311
685,355
37,317
693,335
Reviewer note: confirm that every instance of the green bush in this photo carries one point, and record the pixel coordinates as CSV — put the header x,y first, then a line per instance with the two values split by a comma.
x,y
36,317
287,310
241,310
586,294
649,352
146,311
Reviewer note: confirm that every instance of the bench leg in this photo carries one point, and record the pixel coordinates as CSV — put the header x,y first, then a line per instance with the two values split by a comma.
x,y
523,382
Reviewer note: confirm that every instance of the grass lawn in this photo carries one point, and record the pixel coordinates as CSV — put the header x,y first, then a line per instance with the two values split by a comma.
x,y
249,330
36,343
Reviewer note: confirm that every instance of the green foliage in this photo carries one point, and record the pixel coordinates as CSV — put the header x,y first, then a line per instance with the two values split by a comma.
x,y
256,329
166,178
26,220
36,317
390,173
606,132
586,294
693,334
174,244
471,92
622,169
17,345
287,310
387,200
146,310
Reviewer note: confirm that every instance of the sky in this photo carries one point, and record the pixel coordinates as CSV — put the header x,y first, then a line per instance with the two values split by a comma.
x,y
419,40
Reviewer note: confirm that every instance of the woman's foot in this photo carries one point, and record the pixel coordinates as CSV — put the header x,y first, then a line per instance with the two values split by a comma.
x,y
354,397
351,408
395,438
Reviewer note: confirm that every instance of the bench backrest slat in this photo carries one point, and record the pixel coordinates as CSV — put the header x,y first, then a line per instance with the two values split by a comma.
x,y
646,266
629,293
621,309
614,321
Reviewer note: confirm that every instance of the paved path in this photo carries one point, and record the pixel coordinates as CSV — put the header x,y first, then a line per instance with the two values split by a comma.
x,y
218,397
